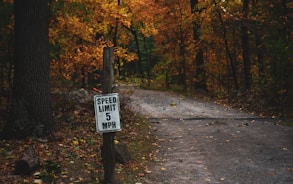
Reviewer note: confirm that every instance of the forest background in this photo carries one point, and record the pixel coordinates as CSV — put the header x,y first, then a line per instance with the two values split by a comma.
x,y
236,50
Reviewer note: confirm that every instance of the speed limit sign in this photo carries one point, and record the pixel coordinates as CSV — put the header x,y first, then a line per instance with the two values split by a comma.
x,y
107,112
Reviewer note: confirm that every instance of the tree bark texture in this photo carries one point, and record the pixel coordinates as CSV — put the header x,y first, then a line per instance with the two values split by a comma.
x,y
108,148
30,112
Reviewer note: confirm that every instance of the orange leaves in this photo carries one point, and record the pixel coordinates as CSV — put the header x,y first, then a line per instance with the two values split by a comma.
x,y
148,29
76,28
124,54
76,24
75,36
86,58
52,36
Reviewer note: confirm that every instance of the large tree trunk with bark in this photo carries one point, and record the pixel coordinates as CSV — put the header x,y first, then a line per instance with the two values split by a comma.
x,y
30,112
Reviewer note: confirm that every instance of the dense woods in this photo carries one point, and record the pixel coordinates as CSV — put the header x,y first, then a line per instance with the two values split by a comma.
x,y
227,48
51,56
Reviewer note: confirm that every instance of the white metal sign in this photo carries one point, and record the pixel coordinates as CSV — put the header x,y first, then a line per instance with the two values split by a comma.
x,y
107,108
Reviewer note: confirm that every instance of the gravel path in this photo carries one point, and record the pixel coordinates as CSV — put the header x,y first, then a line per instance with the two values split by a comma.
x,y
204,143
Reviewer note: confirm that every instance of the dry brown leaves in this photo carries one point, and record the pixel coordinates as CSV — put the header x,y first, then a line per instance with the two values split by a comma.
x,y
72,153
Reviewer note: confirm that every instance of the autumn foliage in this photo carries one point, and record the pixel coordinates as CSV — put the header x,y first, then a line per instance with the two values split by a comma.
x,y
233,48
238,51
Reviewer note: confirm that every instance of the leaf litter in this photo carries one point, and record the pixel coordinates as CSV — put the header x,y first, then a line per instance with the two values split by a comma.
x,y
72,153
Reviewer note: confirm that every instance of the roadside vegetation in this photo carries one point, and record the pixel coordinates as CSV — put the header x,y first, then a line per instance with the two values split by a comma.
x,y
72,153
236,53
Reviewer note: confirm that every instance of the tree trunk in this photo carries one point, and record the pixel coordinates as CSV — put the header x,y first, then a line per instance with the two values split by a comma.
x,y
182,74
199,60
139,64
200,72
30,112
148,61
228,53
245,46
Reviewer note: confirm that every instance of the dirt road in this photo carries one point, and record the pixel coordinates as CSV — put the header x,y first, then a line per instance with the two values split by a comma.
x,y
204,143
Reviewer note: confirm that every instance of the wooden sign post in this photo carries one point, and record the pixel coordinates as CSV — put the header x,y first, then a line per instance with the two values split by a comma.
x,y
108,149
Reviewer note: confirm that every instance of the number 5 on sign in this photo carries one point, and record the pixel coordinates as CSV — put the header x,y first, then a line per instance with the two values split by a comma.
x,y
107,112
108,116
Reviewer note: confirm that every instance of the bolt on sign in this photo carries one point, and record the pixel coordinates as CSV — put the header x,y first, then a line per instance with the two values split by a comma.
x,y
107,115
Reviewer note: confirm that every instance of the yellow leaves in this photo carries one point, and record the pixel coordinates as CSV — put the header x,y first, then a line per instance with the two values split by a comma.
x,y
75,27
52,35
111,12
38,181
123,38
124,54
148,29
290,5
163,169
75,142
173,104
